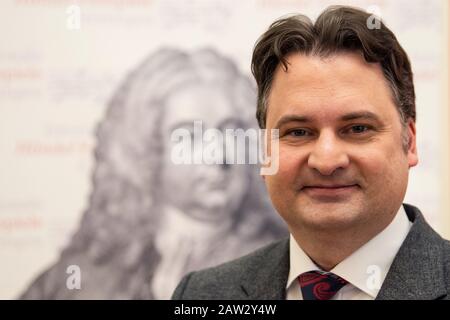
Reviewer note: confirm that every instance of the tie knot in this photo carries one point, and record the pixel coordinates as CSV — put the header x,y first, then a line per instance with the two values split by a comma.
x,y
317,285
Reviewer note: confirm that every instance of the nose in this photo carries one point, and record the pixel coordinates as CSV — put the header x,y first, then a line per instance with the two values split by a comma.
x,y
211,175
328,154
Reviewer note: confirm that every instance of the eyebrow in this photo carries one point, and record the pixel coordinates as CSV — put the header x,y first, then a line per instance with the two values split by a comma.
x,y
291,118
365,115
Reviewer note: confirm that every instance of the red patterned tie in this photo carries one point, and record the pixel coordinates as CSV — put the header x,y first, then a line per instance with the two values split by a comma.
x,y
317,285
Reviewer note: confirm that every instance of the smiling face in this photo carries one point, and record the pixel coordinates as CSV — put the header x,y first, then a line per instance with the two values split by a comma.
x,y
341,161
208,192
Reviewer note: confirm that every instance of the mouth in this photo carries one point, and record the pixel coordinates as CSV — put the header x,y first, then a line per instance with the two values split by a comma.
x,y
330,191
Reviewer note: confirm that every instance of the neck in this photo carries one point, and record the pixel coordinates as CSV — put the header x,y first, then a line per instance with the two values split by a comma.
x,y
327,248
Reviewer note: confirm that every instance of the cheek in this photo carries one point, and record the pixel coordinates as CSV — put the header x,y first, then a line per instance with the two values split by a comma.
x,y
382,169
236,188
290,161
236,179
176,178
282,184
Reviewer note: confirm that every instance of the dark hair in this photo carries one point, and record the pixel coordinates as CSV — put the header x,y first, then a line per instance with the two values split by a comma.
x,y
337,29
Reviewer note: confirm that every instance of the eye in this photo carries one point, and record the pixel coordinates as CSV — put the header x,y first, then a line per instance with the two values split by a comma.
x,y
359,128
298,133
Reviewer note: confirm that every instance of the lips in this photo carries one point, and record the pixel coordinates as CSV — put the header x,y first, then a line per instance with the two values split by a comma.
x,y
332,191
334,186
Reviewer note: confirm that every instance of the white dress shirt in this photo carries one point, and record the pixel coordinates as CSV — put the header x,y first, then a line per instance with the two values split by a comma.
x,y
365,269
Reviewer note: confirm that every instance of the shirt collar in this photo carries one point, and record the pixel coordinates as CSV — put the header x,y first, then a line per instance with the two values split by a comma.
x,y
367,267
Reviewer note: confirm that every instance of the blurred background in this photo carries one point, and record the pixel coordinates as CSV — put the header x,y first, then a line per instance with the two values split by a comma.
x,y
83,86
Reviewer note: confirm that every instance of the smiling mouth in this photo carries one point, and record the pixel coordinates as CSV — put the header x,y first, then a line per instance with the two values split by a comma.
x,y
333,191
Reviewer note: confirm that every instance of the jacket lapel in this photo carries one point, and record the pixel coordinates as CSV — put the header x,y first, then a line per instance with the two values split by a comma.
x,y
417,271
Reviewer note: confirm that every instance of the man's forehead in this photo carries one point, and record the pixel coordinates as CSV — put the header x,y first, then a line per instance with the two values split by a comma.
x,y
329,107
198,103
317,73
329,88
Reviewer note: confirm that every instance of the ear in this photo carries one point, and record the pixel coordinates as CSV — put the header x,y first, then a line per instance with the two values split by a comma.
x,y
413,158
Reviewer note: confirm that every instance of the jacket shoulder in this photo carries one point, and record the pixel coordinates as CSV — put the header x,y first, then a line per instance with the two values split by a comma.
x,y
224,281
446,254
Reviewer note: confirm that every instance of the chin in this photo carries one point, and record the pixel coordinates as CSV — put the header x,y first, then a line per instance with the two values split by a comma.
x,y
330,217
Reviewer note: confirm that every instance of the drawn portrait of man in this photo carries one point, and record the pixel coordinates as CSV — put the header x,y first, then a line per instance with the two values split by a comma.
x,y
150,221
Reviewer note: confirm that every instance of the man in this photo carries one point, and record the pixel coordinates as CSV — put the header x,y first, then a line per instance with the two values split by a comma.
x,y
342,96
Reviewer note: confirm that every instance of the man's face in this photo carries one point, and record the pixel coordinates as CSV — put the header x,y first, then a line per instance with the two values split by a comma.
x,y
208,192
341,160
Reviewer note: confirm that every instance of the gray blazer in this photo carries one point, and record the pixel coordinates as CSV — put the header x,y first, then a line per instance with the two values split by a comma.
x,y
421,270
